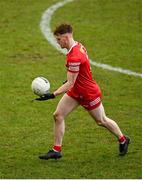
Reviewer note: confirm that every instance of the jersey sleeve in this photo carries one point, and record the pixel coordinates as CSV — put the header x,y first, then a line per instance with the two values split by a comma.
x,y
73,64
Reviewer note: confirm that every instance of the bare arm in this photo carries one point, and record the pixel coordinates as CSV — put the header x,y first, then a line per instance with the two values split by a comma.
x,y
71,78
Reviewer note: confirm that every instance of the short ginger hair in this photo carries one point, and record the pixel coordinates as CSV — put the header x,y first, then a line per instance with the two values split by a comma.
x,y
63,29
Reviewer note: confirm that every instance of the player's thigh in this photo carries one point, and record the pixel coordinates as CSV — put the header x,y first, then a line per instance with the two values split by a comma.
x,y
98,114
66,105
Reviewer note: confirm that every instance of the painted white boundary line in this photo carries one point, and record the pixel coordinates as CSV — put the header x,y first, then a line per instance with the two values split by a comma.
x,y
46,30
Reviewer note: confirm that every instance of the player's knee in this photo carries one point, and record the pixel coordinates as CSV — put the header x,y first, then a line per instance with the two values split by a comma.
x,y
101,121
57,116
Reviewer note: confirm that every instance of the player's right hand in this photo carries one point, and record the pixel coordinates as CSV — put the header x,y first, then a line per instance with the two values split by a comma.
x,y
65,81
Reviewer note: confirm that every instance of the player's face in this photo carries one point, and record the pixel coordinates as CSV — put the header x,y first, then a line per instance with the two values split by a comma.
x,y
62,40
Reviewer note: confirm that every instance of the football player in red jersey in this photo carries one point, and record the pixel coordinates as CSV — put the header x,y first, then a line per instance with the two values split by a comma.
x,y
79,89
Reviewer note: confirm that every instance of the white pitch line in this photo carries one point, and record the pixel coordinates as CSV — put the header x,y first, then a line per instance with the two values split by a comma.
x,y
46,30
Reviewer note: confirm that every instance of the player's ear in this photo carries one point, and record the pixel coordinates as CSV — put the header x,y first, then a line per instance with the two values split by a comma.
x,y
68,36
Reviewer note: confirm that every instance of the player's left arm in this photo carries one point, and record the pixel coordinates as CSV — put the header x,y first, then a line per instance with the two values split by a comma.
x,y
71,78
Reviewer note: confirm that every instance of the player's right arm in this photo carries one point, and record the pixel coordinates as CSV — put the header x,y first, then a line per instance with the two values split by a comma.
x,y
73,66
71,78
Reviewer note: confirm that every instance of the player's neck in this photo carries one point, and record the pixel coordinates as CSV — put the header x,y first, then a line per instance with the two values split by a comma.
x,y
71,43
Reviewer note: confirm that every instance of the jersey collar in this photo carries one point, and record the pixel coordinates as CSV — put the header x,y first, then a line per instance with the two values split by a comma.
x,y
74,44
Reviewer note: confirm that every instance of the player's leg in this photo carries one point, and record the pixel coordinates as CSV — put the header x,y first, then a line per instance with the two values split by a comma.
x,y
100,117
64,107
102,120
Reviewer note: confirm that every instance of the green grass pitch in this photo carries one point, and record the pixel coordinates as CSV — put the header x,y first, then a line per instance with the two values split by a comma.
x,y
111,32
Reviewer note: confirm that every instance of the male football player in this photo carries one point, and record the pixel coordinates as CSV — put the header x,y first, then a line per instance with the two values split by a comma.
x,y
79,89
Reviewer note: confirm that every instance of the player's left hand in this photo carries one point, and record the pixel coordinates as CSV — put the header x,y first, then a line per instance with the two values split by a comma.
x,y
46,97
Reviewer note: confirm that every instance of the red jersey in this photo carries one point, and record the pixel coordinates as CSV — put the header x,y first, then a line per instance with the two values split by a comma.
x,y
78,62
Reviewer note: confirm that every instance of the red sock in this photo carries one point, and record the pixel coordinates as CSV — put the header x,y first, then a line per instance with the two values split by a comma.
x,y
57,148
122,139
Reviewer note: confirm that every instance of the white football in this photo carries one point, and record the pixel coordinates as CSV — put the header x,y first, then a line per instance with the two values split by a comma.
x,y
40,86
